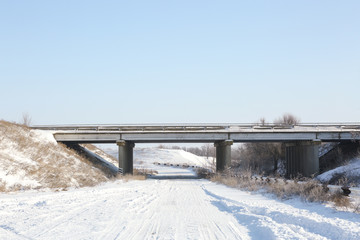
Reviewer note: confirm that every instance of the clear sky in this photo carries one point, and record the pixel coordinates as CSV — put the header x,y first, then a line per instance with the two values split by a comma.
x,y
179,61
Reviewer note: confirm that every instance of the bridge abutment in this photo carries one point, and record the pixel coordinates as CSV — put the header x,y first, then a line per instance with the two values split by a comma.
x,y
126,156
223,154
302,158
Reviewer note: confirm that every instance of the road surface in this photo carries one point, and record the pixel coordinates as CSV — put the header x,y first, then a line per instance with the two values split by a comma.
x,y
168,209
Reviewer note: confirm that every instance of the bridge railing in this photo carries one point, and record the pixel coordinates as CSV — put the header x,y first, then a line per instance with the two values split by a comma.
x,y
192,127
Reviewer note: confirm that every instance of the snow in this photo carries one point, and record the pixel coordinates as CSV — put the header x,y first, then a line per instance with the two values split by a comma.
x,y
350,171
18,179
43,136
147,157
167,209
161,208
32,159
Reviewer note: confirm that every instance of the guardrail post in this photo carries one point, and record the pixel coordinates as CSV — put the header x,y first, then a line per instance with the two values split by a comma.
x,y
223,154
302,158
126,156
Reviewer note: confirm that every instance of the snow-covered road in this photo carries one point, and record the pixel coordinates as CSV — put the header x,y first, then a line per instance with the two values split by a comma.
x,y
167,209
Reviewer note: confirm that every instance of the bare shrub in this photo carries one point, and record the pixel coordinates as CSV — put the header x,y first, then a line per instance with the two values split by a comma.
x,y
312,191
287,120
262,121
260,157
357,208
265,157
26,119
204,173
340,200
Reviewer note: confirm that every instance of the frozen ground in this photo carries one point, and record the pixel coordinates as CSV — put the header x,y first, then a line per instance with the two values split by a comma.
x,y
167,209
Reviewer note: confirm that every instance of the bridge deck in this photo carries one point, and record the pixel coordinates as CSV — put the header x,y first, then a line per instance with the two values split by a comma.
x,y
147,133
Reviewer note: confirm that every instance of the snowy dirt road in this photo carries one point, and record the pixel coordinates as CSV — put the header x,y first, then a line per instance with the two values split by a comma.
x,y
167,209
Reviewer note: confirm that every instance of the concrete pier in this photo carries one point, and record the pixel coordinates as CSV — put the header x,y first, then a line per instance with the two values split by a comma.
x,y
302,158
223,154
126,156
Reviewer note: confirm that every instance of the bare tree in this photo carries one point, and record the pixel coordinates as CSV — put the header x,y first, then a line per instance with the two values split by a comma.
x,y
264,157
208,150
262,121
26,119
287,119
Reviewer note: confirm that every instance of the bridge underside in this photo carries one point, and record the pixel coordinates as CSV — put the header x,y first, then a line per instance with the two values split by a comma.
x,y
223,155
302,157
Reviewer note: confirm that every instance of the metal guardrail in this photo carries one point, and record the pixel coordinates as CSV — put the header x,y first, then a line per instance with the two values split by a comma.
x,y
193,127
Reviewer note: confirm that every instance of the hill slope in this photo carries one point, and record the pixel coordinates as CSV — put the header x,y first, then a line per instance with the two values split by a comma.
x,y
32,159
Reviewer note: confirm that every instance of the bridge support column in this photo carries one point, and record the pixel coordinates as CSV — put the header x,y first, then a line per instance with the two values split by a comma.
x,y
223,154
125,156
302,158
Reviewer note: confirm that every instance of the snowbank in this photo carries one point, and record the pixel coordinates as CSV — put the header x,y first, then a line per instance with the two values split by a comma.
x,y
351,171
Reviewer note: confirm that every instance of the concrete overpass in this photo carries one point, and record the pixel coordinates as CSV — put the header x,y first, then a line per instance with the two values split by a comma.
x,y
302,141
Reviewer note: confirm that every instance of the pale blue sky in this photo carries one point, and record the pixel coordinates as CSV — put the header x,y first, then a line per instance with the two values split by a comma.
x,y
179,61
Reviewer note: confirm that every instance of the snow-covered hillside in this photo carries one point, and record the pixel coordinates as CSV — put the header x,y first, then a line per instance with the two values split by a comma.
x,y
349,172
164,163
150,156
147,157
32,159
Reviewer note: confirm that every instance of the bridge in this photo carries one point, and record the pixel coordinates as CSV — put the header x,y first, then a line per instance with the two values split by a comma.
x,y
302,141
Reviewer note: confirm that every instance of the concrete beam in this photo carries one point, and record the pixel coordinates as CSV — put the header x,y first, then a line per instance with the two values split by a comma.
x,y
223,154
126,156
202,136
302,158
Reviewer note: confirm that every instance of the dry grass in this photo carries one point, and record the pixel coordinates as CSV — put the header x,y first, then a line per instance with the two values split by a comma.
x,y
2,186
52,165
310,190
129,177
340,200
144,171
204,173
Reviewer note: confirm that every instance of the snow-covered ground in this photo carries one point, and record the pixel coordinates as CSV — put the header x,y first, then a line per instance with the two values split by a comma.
x,y
167,209
350,171
159,209
32,159
146,157
166,163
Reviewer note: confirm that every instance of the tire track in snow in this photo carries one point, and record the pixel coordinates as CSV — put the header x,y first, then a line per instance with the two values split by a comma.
x,y
69,208
168,209
123,215
270,222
